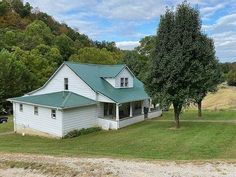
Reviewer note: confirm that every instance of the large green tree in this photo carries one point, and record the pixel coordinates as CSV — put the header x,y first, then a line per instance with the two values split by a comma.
x,y
172,67
208,74
94,55
41,63
14,77
65,45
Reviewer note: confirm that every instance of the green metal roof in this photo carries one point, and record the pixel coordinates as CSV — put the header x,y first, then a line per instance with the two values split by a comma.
x,y
94,75
61,100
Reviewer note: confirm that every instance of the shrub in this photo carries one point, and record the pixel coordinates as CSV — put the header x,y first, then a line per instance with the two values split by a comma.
x,y
231,78
83,131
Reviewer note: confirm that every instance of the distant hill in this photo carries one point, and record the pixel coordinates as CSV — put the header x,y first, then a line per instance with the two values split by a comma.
x,y
224,98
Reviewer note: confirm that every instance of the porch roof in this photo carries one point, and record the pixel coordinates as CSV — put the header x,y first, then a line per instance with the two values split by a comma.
x,y
61,100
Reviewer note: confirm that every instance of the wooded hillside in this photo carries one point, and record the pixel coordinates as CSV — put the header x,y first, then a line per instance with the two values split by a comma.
x,y
33,45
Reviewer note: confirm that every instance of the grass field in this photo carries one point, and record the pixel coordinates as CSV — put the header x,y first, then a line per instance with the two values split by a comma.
x,y
206,115
224,98
150,139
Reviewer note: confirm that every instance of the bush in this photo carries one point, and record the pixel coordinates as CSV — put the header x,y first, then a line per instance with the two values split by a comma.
x,y
231,78
83,131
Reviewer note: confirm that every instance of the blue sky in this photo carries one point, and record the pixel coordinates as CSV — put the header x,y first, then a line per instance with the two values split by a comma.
x,y
127,21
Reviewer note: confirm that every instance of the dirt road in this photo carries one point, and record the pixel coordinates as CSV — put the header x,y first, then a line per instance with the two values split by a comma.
x,y
22,165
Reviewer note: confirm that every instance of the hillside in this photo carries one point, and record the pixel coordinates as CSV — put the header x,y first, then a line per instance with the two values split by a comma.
x,y
33,45
224,98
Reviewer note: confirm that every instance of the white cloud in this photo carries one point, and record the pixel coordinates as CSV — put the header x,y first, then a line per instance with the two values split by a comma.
x,y
119,20
127,45
130,9
210,10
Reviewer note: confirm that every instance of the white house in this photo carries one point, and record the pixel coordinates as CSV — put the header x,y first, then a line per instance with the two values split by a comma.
x,y
82,96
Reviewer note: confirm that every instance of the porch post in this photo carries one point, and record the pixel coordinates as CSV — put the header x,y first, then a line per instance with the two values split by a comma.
x,y
107,109
142,111
150,105
117,112
131,110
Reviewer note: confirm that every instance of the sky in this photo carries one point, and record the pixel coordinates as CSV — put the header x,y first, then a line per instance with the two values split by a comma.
x,y
127,21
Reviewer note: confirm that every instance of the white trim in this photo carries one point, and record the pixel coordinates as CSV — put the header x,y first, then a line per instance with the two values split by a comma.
x,y
51,107
125,67
112,101
32,104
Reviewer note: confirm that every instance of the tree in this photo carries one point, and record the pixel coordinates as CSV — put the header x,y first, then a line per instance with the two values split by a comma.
x,y
4,7
172,66
39,62
110,46
231,78
136,62
14,77
37,33
65,45
20,8
94,55
209,75
147,45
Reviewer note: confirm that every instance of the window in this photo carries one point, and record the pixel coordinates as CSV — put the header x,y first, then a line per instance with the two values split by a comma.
x,y
121,82
21,107
126,82
36,110
66,86
53,114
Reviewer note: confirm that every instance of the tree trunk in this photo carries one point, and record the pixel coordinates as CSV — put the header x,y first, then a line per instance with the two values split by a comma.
x,y
177,120
177,110
199,105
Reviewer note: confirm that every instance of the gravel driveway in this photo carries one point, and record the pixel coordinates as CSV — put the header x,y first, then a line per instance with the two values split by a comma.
x,y
22,165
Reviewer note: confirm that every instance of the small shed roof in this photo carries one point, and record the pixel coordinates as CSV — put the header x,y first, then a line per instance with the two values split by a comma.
x,y
61,100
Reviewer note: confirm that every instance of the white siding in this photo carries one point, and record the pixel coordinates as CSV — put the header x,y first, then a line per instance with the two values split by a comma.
x,y
41,122
107,124
103,98
76,85
124,74
130,121
78,118
111,81
154,114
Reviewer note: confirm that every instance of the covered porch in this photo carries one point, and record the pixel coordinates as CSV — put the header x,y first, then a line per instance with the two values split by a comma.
x,y
118,111
115,115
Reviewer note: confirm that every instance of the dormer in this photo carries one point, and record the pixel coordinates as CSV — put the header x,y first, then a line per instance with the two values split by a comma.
x,y
124,79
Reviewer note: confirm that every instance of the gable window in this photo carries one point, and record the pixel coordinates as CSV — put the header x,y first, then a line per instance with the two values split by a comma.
x,y
36,110
122,82
53,114
126,82
21,107
66,86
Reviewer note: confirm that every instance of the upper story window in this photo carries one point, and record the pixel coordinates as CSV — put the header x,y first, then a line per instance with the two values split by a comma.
x,y
66,86
53,114
36,110
124,82
21,107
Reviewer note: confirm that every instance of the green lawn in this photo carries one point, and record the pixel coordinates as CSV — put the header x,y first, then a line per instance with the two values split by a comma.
x,y
7,127
206,115
150,139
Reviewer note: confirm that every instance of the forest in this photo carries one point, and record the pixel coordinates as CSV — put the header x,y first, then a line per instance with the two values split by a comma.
x,y
33,45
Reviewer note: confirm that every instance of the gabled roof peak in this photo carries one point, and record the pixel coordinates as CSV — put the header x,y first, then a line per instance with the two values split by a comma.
x,y
92,64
